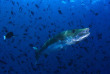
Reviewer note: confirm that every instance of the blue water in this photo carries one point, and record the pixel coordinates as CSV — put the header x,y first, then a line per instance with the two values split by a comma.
x,y
35,21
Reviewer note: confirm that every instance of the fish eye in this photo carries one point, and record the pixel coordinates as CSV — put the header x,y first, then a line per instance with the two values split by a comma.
x,y
87,30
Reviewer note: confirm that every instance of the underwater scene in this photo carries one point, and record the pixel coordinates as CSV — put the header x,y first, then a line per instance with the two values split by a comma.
x,y
54,36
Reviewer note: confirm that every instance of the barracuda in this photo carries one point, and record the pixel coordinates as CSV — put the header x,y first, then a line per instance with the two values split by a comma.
x,y
62,40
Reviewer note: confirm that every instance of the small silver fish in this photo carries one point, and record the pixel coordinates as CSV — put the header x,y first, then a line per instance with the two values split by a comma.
x,y
62,40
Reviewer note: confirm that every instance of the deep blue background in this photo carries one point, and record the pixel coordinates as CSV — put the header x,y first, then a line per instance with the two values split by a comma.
x,y
35,21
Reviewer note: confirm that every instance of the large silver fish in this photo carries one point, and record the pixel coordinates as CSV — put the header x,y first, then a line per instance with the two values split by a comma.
x,y
62,40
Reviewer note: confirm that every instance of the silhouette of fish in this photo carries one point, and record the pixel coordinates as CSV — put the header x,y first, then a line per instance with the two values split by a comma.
x,y
9,35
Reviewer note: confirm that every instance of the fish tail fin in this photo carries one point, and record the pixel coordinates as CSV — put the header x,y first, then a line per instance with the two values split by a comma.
x,y
37,54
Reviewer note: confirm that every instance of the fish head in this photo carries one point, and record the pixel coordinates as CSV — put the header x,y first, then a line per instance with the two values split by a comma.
x,y
76,35
80,34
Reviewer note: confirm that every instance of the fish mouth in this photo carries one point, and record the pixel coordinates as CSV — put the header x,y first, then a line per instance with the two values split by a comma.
x,y
82,35
86,32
